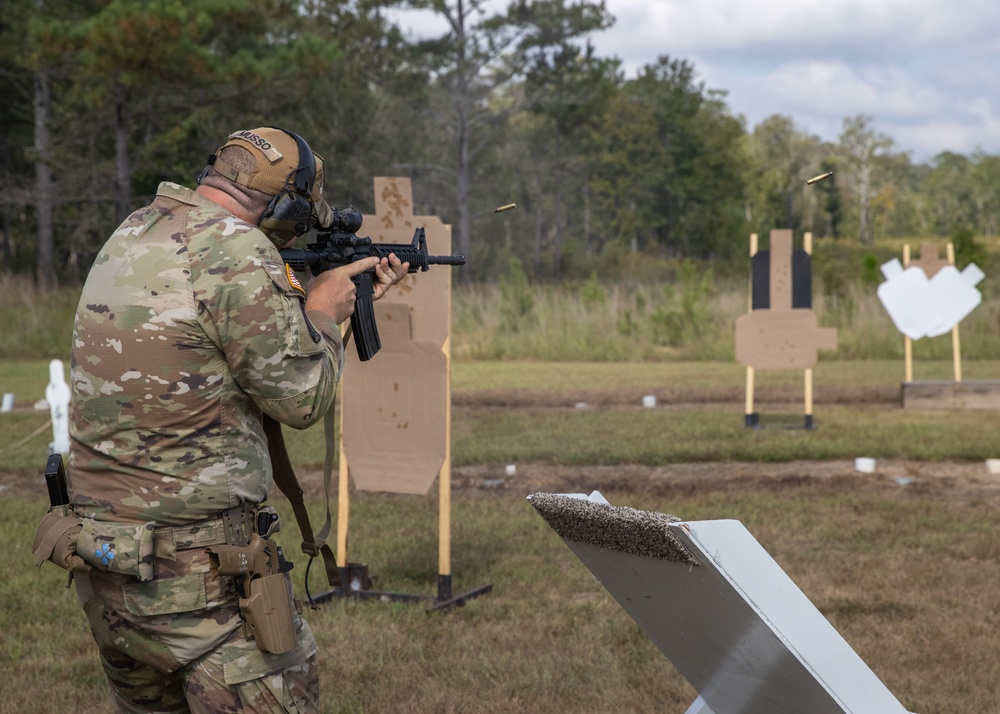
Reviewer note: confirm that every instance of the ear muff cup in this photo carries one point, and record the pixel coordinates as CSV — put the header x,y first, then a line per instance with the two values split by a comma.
x,y
288,213
291,213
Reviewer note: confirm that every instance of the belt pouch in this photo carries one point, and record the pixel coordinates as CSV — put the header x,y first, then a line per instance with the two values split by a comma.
x,y
56,538
124,548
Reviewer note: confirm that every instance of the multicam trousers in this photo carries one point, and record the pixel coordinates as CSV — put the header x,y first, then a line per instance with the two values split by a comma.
x,y
176,644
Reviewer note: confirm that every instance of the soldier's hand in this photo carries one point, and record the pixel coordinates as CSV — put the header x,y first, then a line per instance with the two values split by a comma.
x,y
388,272
333,291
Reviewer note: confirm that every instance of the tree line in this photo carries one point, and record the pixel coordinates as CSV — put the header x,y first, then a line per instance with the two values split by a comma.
x,y
106,98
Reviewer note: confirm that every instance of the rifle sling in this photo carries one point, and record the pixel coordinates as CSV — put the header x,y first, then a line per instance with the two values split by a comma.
x,y
288,484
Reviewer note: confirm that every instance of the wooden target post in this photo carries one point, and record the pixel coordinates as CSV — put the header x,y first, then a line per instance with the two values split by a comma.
x,y
807,372
750,416
930,262
907,342
956,350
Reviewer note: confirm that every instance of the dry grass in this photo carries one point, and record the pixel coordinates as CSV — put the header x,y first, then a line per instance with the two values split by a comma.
x,y
577,322
650,323
906,576
34,323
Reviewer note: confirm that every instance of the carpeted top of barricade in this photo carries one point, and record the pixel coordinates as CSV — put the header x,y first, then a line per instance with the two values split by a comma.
x,y
617,528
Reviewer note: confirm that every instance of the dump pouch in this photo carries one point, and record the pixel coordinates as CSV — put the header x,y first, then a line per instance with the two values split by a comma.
x,y
56,541
268,613
123,548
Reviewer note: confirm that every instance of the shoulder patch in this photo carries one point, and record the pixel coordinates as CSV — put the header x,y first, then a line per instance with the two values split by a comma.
x,y
293,279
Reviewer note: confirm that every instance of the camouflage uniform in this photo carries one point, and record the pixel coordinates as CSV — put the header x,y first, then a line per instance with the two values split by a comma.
x,y
188,328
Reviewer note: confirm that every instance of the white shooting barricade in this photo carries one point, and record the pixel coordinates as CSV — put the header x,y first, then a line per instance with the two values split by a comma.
x,y
722,611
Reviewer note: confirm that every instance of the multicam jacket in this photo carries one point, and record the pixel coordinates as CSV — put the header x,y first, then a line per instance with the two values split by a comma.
x,y
188,327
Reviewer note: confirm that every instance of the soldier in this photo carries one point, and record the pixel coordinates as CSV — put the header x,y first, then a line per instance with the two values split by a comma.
x,y
189,328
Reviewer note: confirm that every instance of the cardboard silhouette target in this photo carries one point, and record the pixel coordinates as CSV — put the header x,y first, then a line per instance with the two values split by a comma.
x,y
723,612
929,297
909,299
396,407
957,294
781,330
398,444
930,260
426,294
920,307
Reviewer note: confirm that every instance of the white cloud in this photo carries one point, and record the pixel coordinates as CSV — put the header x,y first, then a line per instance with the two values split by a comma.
x,y
727,25
927,72
840,88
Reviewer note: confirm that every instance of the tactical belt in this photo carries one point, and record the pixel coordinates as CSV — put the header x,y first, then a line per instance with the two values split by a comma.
x,y
233,526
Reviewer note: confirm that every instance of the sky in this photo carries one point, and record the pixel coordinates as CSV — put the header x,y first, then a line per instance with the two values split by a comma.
x,y
927,72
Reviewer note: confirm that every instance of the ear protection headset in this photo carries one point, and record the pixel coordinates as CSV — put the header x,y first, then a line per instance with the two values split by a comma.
x,y
290,213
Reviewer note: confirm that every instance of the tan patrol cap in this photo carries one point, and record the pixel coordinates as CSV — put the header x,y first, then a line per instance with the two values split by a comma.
x,y
276,154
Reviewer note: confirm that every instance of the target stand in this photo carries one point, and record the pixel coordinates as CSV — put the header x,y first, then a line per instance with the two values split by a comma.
x,y
396,407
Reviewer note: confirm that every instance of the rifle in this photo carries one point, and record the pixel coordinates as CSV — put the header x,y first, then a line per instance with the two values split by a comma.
x,y
340,245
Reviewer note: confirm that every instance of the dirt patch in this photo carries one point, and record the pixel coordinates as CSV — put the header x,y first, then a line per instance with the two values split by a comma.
x,y
673,396
960,480
948,479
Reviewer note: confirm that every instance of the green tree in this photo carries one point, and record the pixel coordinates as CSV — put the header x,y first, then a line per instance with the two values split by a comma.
x,y
465,63
141,88
668,165
986,192
565,94
132,57
860,143
948,193
350,85
480,54
783,159
967,248
896,206
25,83
831,203
565,84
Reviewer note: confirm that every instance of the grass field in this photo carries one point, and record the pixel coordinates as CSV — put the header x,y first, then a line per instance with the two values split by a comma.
x,y
907,577
905,570
590,413
906,574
